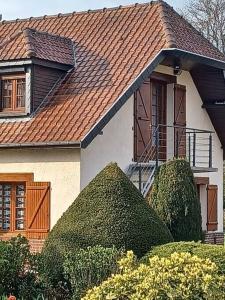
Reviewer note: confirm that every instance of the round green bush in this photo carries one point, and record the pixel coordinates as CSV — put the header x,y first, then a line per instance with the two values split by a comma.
x,y
174,197
215,253
109,212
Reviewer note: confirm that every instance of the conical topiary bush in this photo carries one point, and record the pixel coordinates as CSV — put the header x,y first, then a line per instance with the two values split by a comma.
x,y
110,211
174,197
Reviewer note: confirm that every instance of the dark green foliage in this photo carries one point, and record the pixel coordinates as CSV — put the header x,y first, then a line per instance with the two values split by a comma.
x,y
110,211
213,252
174,197
51,273
86,268
17,269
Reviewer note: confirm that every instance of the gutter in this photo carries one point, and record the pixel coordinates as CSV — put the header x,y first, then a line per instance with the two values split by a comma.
x,y
63,144
121,100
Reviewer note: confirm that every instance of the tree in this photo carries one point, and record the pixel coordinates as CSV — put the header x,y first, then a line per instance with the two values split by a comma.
x,y
174,197
110,211
208,17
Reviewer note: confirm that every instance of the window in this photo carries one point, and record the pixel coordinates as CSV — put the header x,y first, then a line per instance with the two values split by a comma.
x,y
13,91
12,206
24,206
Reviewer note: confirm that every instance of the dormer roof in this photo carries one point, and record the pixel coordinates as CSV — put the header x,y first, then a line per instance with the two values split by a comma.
x,y
29,43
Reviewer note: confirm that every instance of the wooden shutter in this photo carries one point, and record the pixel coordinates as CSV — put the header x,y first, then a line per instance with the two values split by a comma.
x,y
180,120
142,119
212,221
38,209
1,95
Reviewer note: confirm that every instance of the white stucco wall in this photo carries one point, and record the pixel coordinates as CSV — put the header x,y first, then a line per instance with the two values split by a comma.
x,y
114,145
197,117
61,167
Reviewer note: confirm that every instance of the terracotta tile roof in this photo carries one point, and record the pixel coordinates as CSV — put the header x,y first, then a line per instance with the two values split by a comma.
x,y
28,43
113,46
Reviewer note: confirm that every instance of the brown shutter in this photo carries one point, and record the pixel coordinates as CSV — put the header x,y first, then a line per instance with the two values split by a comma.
x,y
142,119
1,100
180,120
37,209
212,221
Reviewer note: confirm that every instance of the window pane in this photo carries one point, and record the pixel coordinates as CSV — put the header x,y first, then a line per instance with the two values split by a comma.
x,y
7,87
12,196
20,190
20,207
5,202
20,94
20,225
20,202
6,224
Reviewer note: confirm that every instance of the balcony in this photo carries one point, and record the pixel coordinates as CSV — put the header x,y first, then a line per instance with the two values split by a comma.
x,y
167,142
195,145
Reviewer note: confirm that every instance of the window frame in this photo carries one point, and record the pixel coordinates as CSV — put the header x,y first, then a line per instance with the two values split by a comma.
x,y
13,208
15,179
13,108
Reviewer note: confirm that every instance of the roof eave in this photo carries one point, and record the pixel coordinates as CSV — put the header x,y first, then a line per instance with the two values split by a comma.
x,y
42,62
205,60
55,144
97,128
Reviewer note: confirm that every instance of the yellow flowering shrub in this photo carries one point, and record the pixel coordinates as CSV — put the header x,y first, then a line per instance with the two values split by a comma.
x,y
180,276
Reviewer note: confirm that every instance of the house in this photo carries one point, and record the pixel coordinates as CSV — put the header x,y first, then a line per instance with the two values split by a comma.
x,y
136,84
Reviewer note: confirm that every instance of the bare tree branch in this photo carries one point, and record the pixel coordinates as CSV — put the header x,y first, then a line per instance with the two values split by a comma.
x,y
208,17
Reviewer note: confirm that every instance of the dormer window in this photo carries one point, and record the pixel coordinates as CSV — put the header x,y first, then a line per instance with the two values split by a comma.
x,y
13,93
29,73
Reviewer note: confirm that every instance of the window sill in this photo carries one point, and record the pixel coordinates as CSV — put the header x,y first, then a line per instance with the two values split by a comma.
x,y
4,114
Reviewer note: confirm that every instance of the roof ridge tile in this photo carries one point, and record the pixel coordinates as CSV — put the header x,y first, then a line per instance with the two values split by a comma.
x,y
29,47
59,15
169,35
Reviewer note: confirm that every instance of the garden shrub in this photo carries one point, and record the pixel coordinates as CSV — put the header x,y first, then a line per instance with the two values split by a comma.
x,y
18,269
174,197
86,268
215,253
51,274
180,276
109,212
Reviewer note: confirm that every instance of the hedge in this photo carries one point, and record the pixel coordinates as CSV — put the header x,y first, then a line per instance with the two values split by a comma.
x,y
174,197
215,253
110,211
180,276
86,268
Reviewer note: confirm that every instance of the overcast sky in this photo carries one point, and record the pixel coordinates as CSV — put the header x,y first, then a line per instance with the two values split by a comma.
x,y
12,9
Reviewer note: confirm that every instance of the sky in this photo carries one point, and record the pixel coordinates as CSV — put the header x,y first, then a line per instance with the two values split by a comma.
x,y
12,9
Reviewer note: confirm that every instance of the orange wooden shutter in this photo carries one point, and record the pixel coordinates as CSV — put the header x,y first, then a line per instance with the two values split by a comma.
x,y
212,221
37,209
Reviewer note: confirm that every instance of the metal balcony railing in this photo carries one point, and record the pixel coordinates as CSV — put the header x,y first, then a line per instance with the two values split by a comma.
x,y
196,145
167,142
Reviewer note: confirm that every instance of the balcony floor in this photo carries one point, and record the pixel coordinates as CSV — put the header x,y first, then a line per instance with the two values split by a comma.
x,y
203,170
